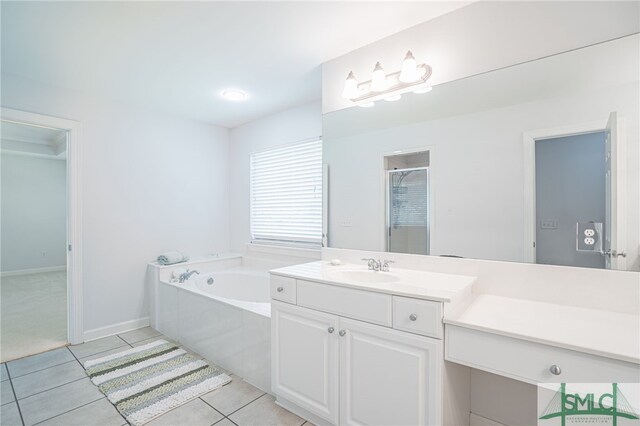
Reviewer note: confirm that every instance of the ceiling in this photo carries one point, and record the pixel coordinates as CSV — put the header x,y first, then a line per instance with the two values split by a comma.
x,y
179,56
20,138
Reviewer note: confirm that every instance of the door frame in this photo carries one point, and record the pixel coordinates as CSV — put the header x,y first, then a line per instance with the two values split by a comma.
x,y
74,210
529,139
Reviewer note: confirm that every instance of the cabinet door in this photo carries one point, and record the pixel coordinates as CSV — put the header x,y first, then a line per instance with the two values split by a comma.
x,y
388,377
304,357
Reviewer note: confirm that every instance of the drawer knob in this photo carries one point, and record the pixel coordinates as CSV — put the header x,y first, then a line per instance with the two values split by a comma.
x,y
413,317
280,289
331,330
555,370
342,332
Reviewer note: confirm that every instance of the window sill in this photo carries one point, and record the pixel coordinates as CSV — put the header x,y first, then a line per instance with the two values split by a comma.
x,y
308,253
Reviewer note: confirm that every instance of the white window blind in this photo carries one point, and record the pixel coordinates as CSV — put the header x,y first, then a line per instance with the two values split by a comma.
x,y
286,194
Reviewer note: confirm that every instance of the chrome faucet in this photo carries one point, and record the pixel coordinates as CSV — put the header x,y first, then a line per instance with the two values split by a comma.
x,y
374,265
186,275
377,265
385,265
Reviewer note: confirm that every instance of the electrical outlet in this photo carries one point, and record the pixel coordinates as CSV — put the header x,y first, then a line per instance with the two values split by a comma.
x,y
589,236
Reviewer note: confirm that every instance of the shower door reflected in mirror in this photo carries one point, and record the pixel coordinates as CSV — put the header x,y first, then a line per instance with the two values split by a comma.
x,y
408,210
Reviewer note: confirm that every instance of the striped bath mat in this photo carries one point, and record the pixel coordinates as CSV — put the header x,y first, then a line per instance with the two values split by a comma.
x,y
147,381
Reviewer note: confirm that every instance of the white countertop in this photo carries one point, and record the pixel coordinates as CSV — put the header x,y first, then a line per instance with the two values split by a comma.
x,y
599,332
411,283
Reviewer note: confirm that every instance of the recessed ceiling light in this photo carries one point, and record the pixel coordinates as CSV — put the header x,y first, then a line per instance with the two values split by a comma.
x,y
234,95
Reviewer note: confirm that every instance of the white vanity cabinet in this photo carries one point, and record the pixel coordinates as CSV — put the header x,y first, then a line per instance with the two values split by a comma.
x,y
304,358
352,372
388,377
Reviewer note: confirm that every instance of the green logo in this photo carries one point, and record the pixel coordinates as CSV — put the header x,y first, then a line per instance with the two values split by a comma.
x,y
612,405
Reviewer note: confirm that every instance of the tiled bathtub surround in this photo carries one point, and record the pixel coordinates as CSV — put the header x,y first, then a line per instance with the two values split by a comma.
x,y
52,389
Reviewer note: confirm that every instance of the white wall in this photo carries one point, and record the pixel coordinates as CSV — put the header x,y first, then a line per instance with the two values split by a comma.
x,y
477,174
34,202
151,182
293,125
485,36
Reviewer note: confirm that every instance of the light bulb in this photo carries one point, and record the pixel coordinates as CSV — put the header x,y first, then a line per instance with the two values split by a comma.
x,y
379,79
410,71
393,98
424,89
367,104
351,87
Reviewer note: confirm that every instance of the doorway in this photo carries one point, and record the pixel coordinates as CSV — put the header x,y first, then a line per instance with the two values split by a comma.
x,y
583,162
48,257
34,239
570,189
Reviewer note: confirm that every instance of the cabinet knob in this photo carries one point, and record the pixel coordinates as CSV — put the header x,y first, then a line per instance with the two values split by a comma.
x,y
331,329
342,332
413,317
280,289
555,370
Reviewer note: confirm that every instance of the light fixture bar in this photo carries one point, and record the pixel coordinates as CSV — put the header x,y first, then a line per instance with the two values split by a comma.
x,y
396,87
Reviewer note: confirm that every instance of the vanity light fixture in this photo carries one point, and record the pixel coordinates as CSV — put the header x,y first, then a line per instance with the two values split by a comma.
x,y
411,78
351,87
393,98
378,79
410,72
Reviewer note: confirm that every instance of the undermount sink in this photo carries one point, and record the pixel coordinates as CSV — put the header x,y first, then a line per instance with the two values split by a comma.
x,y
363,276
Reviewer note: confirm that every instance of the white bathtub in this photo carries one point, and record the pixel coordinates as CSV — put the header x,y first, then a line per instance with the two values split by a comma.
x,y
241,287
227,322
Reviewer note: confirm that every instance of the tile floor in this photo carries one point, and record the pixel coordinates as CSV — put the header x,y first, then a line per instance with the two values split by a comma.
x,y
33,314
52,389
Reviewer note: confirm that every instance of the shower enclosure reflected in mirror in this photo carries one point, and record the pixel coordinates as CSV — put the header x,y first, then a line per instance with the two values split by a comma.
x,y
408,203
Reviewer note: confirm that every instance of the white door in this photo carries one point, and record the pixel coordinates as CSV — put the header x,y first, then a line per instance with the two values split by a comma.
x,y
388,377
304,351
612,246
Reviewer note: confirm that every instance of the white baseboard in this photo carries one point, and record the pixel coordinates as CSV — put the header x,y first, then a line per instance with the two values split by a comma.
x,y
110,330
476,420
33,271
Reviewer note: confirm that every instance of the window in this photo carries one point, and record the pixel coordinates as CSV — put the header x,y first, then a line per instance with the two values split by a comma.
x,y
286,195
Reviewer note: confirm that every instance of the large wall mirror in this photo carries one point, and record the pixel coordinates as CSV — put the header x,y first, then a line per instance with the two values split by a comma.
x,y
538,162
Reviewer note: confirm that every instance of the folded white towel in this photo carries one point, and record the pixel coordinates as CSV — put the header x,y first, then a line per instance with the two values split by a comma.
x,y
172,257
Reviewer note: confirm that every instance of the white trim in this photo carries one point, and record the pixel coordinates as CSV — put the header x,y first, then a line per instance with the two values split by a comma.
x,y
306,253
33,271
110,330
325,205
621,195
476,420
528,139
74,209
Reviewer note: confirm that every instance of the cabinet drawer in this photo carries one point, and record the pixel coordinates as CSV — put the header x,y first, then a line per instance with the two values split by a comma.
x,y
417,316
530,362
283,288
362,305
